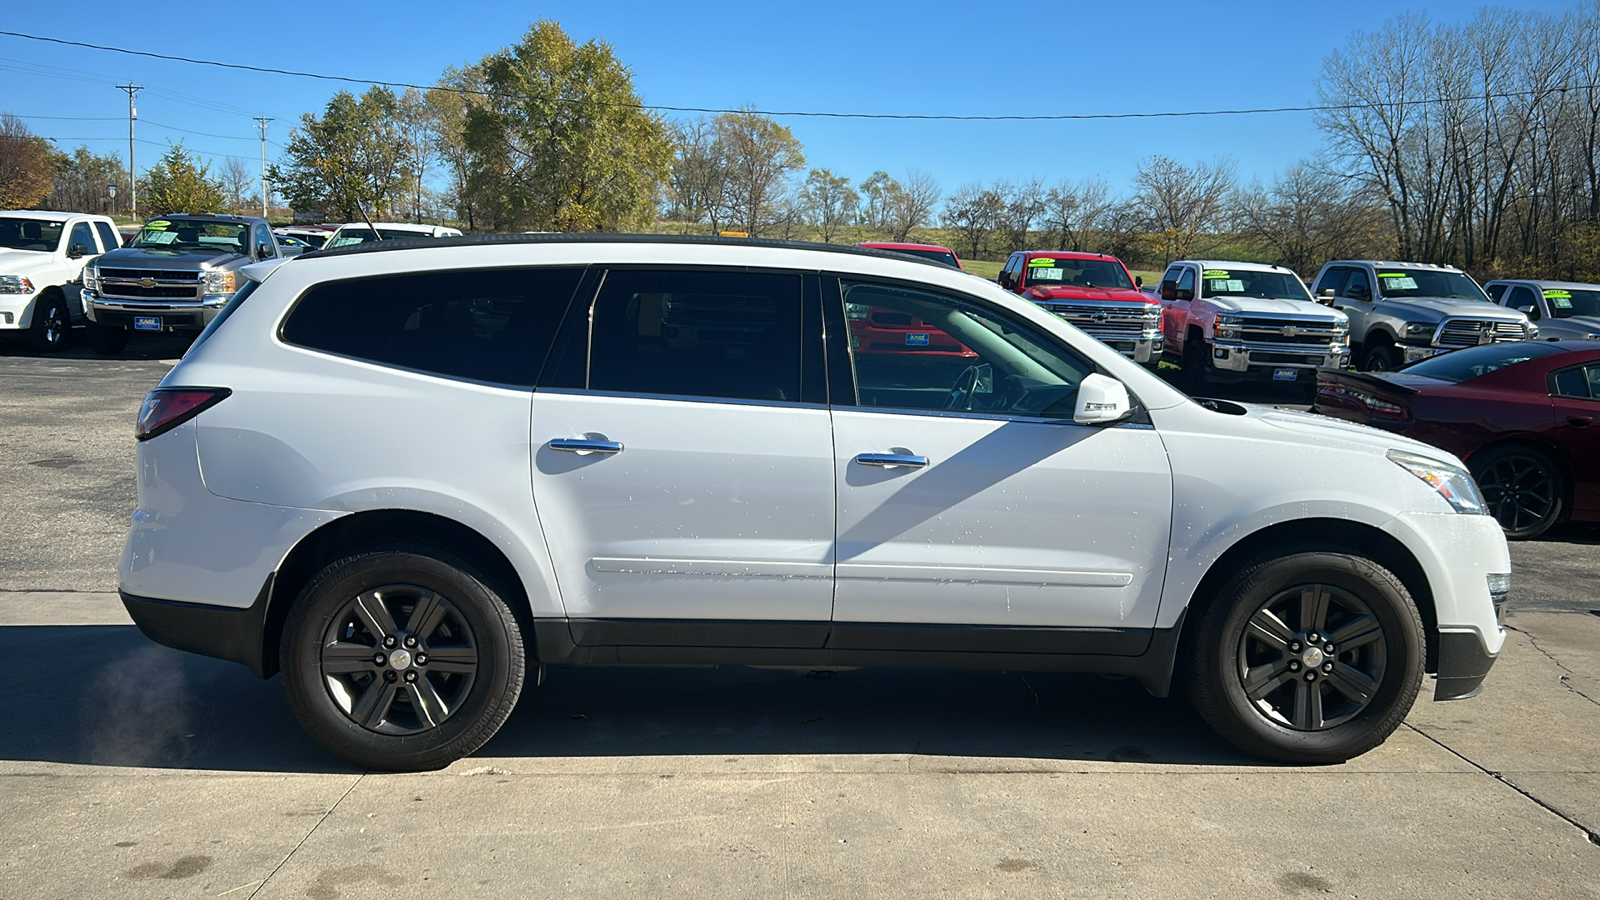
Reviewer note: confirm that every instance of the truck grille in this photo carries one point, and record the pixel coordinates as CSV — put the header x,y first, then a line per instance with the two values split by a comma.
x,y
150,284
1289,334
1109,323
1472,332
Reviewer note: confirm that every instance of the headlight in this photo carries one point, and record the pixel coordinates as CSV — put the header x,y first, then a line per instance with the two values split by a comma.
x,y
15,284
219,282
1416,328
1451,483
91,279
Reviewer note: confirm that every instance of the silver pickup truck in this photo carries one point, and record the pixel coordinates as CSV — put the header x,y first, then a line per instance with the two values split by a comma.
x,y
1402,312
175,276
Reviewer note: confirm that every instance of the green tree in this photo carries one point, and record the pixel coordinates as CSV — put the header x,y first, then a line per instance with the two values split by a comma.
x,y
559,140
829,202
26,165
349,162
760,155
178,183
81,178
448,103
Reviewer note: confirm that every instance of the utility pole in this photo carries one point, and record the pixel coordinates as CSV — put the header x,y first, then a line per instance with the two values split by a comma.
x,y
133,182
261,123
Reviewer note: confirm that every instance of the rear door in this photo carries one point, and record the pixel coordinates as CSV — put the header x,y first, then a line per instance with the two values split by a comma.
x,y
1576,402
683,465
967,496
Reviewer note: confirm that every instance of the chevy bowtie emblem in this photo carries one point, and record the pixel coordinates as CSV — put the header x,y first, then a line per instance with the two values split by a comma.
x,y
147,283
1290,331
1100,316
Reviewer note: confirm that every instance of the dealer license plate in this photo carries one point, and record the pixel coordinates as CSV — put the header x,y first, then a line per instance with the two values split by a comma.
x,y
1285,374
916,340
146,323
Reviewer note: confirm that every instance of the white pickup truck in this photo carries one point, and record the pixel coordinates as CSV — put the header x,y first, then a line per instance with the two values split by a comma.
x,y
1235,321
42,255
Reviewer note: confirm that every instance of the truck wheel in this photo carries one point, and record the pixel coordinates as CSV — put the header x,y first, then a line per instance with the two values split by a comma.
x,y
1310,657
1522,488
52,324
401,659
106,340
1192,374
1382,358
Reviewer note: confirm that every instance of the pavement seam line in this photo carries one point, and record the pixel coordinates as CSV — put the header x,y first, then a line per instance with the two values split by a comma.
x,y
1565,682
302,842
1588,832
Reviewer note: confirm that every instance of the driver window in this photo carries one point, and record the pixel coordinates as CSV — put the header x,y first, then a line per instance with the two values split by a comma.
x,y
916,350
1186,281
1359,284
1522,299
81,235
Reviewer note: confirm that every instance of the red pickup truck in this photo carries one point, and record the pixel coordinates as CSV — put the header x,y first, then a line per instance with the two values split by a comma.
x,y
1093,292
885,331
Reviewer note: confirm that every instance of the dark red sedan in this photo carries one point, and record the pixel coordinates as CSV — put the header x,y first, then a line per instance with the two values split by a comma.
x,y
1522,415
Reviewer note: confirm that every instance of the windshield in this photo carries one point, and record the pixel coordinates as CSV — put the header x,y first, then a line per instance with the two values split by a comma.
x,y
1101,273
348,236
1427,283
1568,302
1461,365
1245,283
188,235
30,234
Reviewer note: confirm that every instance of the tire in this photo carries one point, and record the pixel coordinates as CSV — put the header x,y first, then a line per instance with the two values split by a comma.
x,y
1381,358
1253,688
1192,369
467,659
1523,489
51,328
107,341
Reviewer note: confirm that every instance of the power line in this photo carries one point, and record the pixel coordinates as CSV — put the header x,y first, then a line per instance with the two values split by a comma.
x,y
1067,117
73,118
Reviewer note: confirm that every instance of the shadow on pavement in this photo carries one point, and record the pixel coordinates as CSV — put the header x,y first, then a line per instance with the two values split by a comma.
x,y
106,695
140,347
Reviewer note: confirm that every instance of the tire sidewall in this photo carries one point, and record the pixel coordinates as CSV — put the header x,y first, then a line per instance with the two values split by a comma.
x,y
1482,462
1402,631
485,613
48,306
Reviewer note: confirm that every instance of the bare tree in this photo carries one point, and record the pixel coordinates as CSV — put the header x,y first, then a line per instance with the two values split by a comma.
x,y
760,156
1022,204
1072,212
877,202
972,213
1308,216
236,182
1183,202
911,203
829,202
697,186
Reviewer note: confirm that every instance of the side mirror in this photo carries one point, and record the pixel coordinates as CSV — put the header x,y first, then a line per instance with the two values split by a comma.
x,y
1138,281
1184,294
266,251
1168,291
77,251
1325,294
1101,401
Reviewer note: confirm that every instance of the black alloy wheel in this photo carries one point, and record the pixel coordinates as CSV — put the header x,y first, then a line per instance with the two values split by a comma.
x,y
1522,488
401,659
52,324
1309,657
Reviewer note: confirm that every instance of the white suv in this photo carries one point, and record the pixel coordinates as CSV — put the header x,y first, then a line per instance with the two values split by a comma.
x,y
406,477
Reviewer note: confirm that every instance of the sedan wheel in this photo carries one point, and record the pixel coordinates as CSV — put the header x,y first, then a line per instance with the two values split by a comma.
x,y
1522,488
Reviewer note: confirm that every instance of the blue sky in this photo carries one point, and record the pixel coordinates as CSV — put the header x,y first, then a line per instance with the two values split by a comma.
x,y
969,58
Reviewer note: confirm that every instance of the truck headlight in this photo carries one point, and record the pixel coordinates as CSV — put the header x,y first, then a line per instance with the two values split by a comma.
x,y
220,282
15,284
91,279
1415,328
1453,484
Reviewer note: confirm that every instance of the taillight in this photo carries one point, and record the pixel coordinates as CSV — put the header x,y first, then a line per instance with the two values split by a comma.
x,y
166,408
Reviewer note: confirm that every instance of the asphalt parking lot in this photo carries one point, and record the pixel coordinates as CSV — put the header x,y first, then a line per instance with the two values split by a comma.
x,y
130,770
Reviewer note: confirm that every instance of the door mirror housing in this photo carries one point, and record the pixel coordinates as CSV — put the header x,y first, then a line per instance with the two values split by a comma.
x,y
1168,291
77,251
1101,401
266,251
1138,281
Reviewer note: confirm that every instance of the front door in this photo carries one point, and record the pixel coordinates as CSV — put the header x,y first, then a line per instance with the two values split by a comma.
x,y
969,497
684,484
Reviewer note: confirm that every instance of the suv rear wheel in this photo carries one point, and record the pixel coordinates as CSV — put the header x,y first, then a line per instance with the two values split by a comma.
x,y
1311,657
401,659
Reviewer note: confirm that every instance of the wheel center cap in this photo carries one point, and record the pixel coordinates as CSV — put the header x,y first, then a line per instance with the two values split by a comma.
x,y
1312,657
400,659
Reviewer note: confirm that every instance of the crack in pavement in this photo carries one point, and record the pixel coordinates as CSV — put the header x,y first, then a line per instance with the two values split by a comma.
x,y
1594,838
1565,679
296,848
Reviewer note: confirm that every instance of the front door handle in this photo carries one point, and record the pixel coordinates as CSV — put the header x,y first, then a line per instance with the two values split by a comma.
x,y
585,445
1580,421
892,460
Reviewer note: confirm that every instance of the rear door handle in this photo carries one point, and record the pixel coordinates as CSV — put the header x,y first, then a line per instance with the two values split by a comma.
x,y
585,445
1580,421
892,460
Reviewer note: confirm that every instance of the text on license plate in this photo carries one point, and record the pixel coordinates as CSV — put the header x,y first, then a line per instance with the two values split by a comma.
x,y
1285,374
146,323
916,340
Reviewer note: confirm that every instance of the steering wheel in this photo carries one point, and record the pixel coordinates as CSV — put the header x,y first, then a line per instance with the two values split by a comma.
x,y
964,389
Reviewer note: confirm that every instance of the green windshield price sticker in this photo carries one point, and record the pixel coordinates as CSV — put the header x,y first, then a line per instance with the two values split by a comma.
x,y
1557,295
158,224
1214,273
1393,275
1036,263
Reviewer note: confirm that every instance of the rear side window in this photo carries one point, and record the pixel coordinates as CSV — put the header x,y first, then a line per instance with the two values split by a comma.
x,y
494,326
108,235
725,335
1582,382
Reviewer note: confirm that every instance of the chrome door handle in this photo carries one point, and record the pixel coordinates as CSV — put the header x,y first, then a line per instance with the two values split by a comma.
x,y
892,460
585,445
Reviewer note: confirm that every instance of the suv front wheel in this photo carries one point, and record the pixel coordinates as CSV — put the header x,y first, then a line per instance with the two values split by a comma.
x,y
403,660
1311,657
